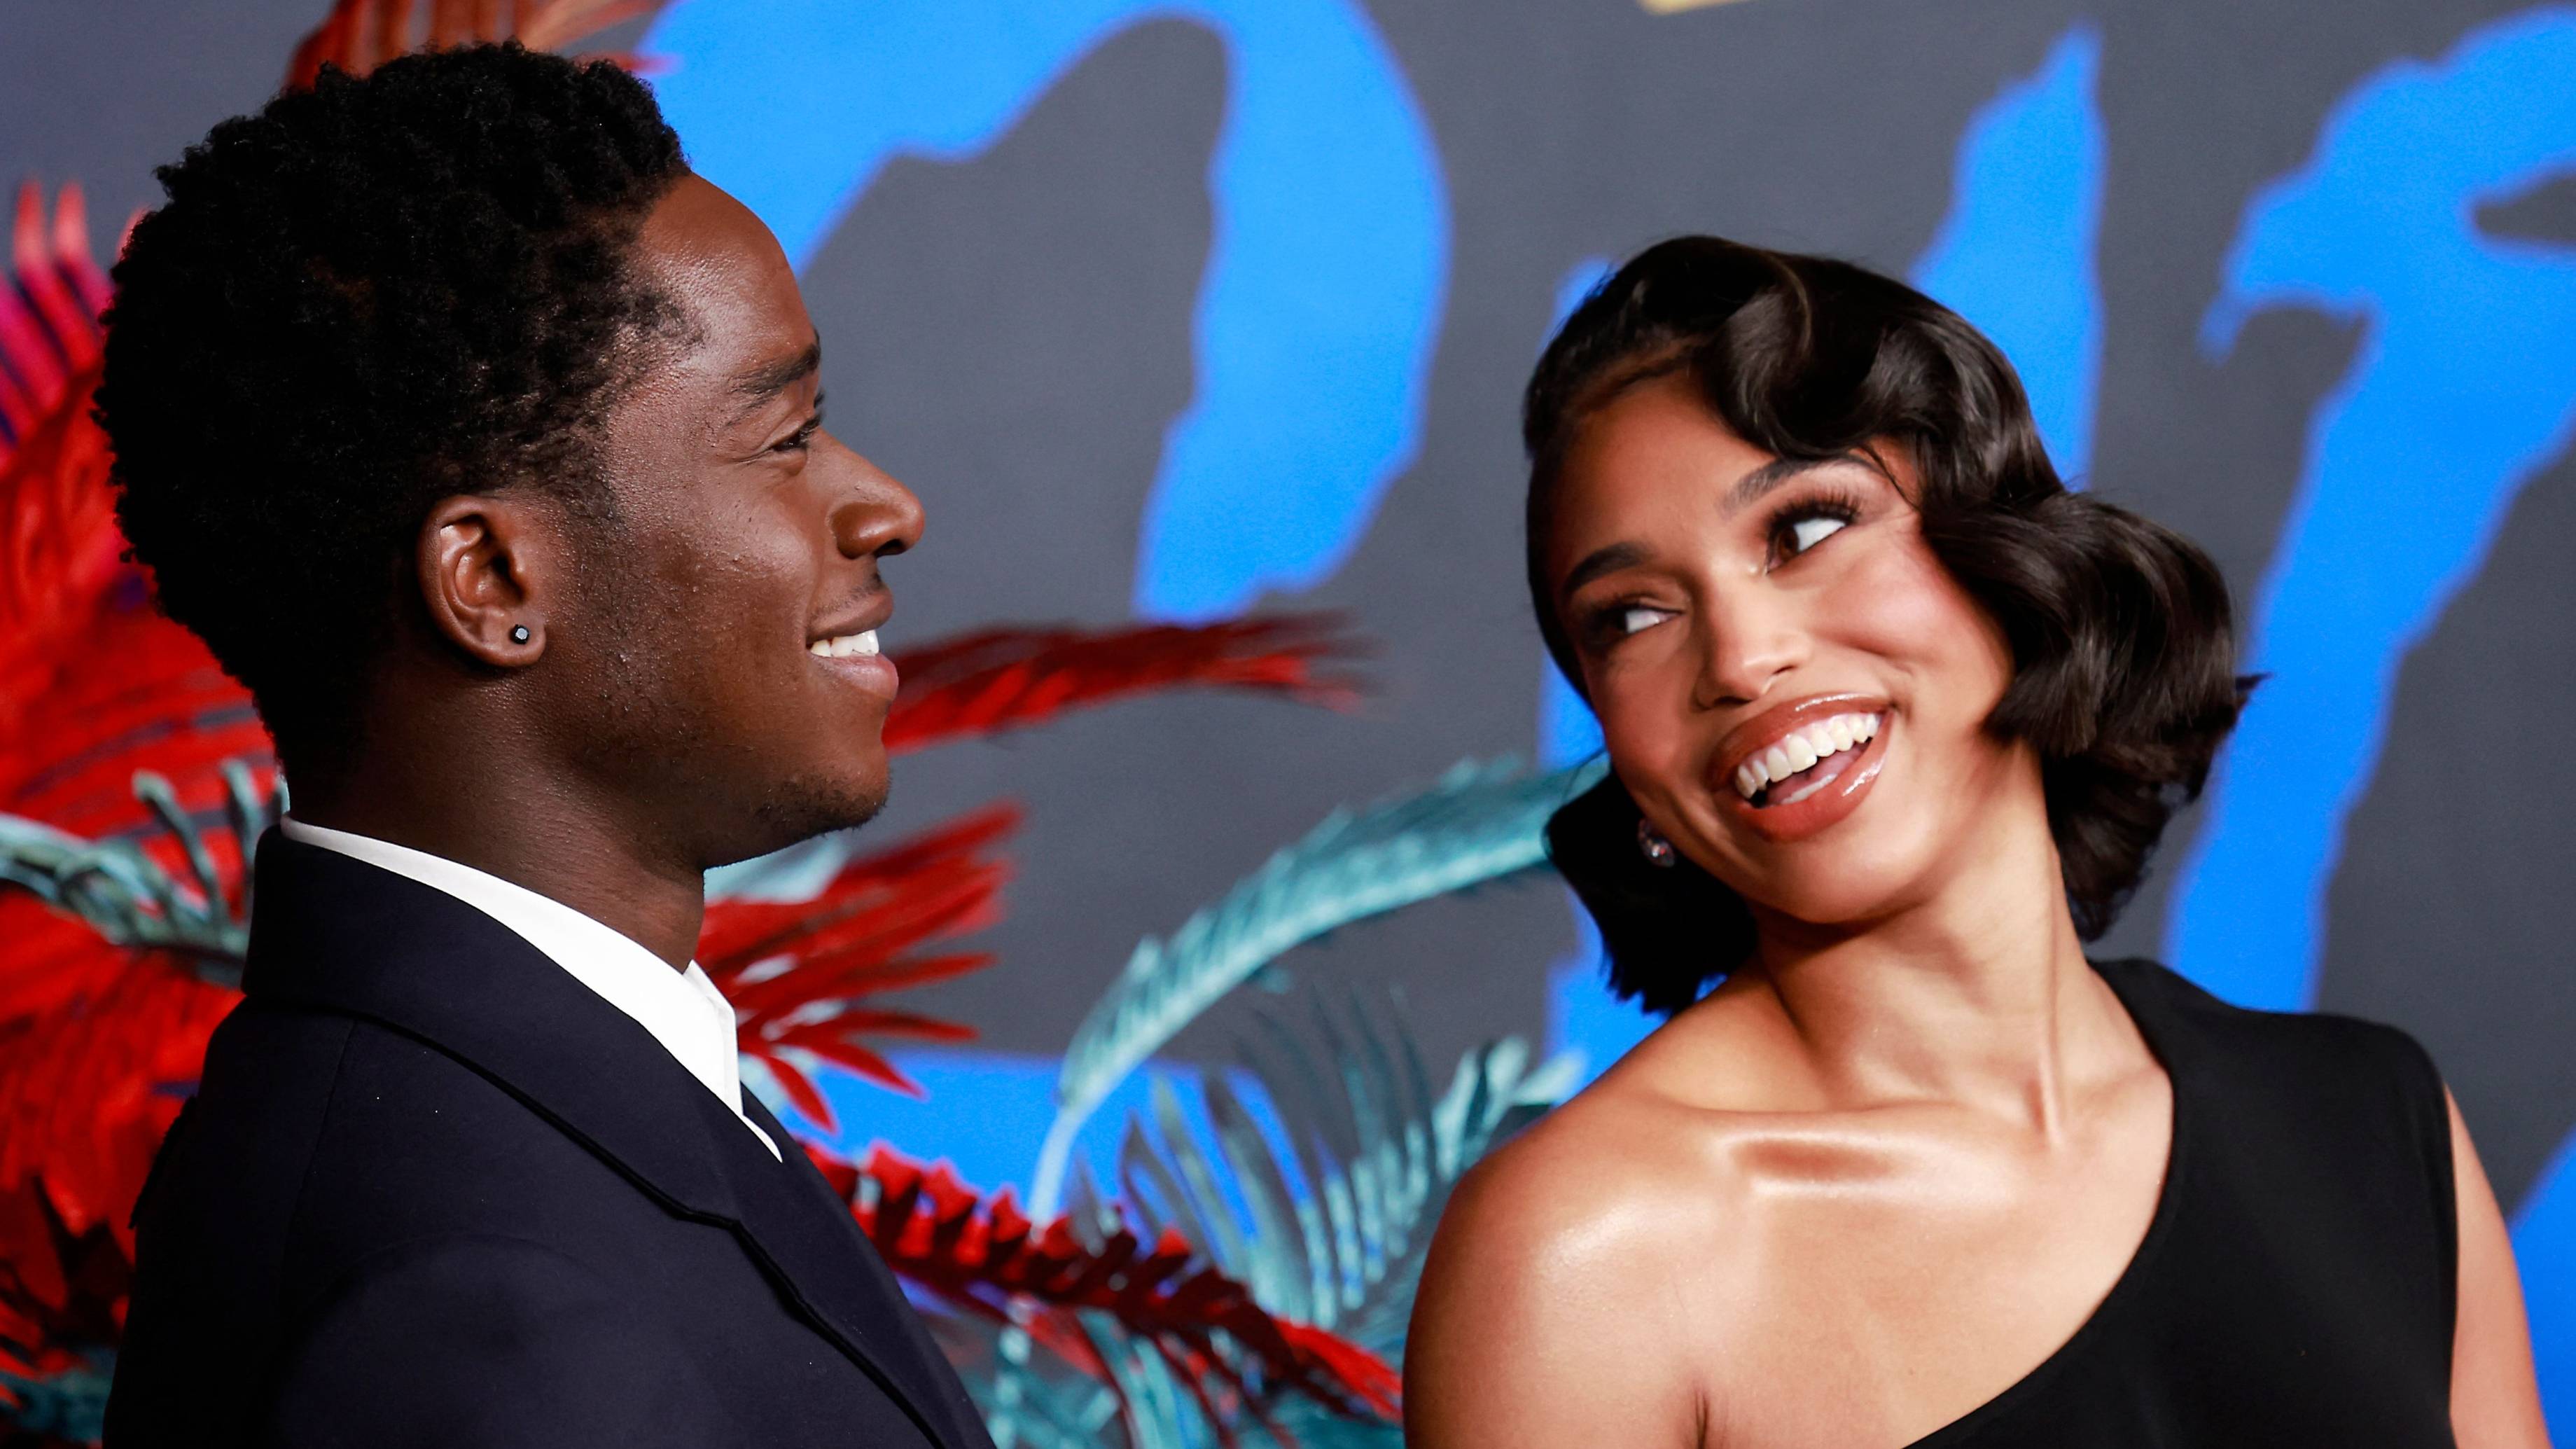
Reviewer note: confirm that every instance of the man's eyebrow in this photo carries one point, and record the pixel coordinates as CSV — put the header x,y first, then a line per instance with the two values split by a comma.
x,y
768,380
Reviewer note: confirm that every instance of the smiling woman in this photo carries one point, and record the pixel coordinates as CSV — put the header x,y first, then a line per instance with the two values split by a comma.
x,y
1825,385
1894,721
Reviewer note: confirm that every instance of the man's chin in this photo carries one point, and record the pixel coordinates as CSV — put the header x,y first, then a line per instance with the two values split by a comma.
x,y
804,809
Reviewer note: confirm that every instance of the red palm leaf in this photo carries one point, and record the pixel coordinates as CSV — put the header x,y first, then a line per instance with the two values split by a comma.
x,y
94,684
359,35
796,971
141,694
58,542
983,1255
1006,679
49,319
88,1087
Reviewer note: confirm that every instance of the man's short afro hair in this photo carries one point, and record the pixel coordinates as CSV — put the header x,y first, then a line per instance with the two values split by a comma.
x,y
364,298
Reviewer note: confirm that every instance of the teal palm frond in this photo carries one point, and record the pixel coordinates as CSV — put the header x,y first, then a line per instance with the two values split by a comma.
x,y
1024,1405
127,896
1332,1231
1313,1174
1480,823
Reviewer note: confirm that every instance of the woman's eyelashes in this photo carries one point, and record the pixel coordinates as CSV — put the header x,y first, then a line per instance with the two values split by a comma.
x,y
1635,618
1804,523
1789,534
1609,623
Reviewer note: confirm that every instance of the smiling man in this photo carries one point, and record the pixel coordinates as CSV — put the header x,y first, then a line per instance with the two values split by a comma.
x,y
481,440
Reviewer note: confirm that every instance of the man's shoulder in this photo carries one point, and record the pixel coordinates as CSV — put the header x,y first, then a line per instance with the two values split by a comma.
x,y
315,1137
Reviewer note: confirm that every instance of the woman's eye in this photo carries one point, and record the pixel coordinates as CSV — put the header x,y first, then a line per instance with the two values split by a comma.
x,y
1637,617
1814,529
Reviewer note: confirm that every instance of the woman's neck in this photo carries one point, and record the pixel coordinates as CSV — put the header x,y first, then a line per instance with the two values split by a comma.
x,y
1977,994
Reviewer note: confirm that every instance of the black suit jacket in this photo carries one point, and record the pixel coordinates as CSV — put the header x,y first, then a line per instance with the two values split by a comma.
x,y
433,1191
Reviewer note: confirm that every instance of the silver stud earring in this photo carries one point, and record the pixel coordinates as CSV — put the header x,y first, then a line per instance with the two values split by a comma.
x,y
1654,847
518,633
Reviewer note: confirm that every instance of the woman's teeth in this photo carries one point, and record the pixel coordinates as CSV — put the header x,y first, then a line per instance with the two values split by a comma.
x,y
845,644
1800,751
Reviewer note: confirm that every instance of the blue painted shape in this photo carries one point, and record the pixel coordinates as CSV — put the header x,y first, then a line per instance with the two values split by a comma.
x,y
1325,276
2544,1245
1579,282
1567,732
2017,253
985,1114
1582,1016
2465,386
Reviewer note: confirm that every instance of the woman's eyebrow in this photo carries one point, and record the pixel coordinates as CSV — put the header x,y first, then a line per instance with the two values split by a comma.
x,y
1752,487
1742,494
1608,560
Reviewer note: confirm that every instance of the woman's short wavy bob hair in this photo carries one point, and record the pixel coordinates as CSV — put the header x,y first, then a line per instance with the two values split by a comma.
x,y
2124,675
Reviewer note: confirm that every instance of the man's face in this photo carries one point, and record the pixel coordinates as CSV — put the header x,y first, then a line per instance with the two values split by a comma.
x,y
723,675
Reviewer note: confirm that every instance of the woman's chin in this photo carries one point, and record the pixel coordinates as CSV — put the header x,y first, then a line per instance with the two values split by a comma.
x,y
1836,891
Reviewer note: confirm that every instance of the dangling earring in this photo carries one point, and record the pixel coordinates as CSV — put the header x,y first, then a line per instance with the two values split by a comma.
x,y
1654,847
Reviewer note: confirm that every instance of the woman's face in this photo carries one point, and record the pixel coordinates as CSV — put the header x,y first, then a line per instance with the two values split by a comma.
x,y
1791,686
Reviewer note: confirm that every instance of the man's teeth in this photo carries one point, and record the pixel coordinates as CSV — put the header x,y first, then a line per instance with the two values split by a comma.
x,y
1801,749
844,645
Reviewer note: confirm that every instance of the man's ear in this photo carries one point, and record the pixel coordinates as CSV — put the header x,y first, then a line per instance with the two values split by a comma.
x,y
488,570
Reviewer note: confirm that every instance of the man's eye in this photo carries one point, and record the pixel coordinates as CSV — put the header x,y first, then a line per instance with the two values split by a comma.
x,y
1637,617
1814,529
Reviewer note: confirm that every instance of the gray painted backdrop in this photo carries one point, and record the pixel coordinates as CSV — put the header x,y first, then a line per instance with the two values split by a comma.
x,y
1011,335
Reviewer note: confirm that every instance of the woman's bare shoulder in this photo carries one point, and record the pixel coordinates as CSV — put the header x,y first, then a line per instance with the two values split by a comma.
x,y
1575,1276
1615,1176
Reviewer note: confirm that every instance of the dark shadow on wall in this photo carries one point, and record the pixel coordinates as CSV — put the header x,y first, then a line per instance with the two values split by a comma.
x,y
1011,335
2224,478
2543,213
2203,105
2451,914
102,94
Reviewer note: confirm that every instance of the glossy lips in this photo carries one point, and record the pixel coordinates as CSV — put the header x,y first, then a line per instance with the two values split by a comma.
x,y
1789,767
1823,751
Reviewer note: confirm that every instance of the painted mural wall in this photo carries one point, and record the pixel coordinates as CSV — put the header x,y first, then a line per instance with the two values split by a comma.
x,y
1177,309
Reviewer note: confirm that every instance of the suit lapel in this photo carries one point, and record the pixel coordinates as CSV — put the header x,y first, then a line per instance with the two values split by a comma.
x,y
338,934
809,1232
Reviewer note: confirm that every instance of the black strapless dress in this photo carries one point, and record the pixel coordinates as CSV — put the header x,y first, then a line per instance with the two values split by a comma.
x,y
2297,1285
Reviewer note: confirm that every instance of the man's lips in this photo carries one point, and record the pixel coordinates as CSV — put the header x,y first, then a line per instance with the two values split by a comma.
x,y
850,648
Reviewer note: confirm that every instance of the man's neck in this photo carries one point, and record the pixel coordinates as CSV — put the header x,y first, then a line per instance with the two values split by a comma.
x,y
533,835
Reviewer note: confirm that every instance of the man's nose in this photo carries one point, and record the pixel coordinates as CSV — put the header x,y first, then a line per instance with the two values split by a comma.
x,y
876,517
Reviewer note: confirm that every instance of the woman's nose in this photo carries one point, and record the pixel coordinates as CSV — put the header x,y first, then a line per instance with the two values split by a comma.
x,y
1745,645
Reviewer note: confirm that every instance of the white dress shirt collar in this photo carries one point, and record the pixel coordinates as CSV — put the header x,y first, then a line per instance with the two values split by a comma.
x,y
682,1010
